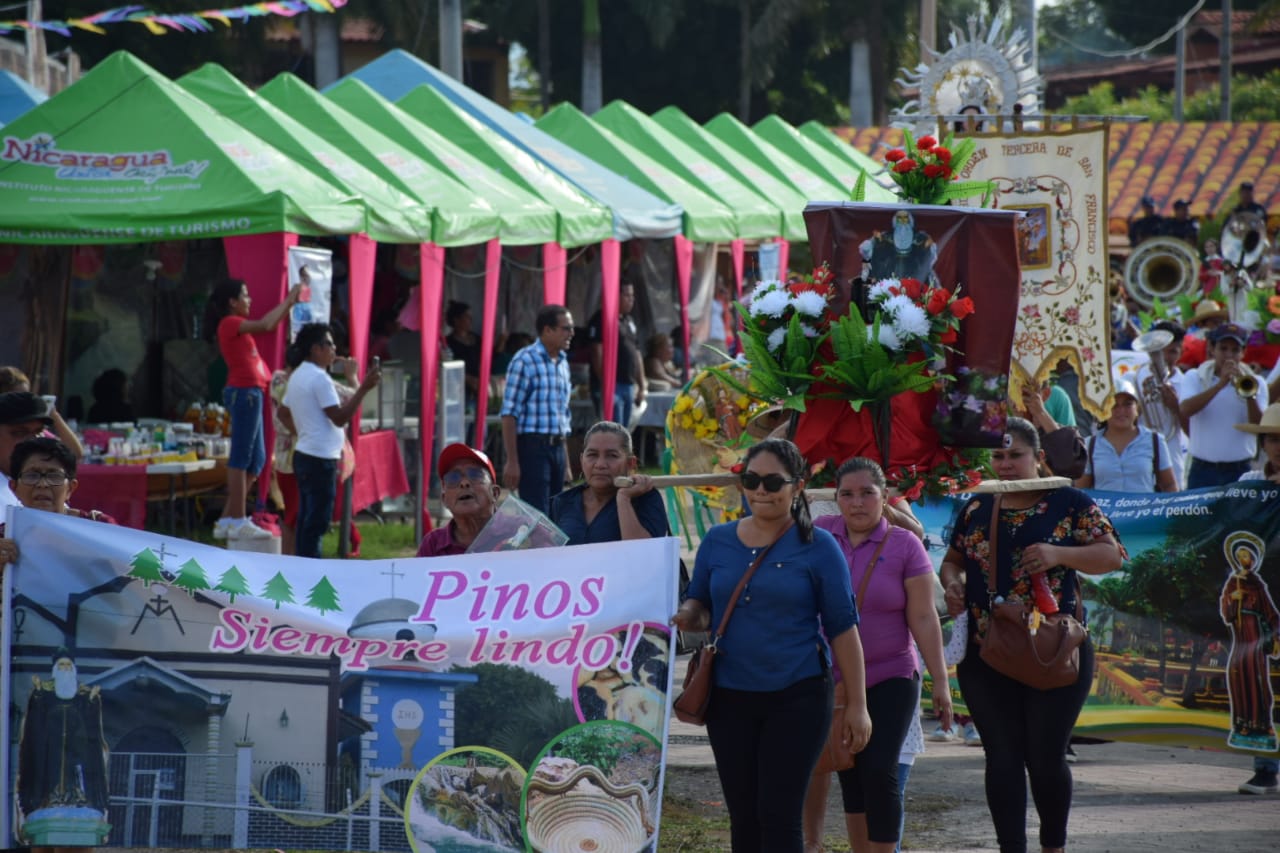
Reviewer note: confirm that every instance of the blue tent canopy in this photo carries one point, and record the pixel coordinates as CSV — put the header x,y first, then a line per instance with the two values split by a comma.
x,y
17,96
636,213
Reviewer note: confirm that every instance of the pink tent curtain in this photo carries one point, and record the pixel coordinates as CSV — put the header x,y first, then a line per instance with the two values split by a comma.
x,y
610,273
554,271
261,262
784,257
737,252
361,253
684,275
431,289
488,327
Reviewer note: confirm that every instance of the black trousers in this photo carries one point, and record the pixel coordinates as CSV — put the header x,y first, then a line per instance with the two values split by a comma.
x,y
870,786
766,745
1025,733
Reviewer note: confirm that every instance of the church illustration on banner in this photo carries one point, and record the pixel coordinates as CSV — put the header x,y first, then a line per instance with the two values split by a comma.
x,y
190,747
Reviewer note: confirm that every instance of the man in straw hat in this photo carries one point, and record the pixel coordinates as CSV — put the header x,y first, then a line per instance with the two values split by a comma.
x,y
1216,396
1266,771
1209,315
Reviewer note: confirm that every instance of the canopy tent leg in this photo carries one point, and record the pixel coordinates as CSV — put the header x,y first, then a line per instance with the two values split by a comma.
x,y
431,290
684,274
488,326
554,272
784,257
610,274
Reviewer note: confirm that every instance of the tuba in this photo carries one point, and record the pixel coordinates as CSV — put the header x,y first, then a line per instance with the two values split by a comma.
x,y
1161,267
1243,241
1153,344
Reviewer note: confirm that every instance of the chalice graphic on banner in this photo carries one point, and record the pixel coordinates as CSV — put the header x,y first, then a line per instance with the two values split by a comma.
x,y
407,716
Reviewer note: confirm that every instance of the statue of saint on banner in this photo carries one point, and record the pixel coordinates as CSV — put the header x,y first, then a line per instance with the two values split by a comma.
x,y
1248,610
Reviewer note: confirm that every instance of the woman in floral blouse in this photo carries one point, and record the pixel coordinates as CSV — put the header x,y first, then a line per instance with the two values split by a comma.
x,y
1025,731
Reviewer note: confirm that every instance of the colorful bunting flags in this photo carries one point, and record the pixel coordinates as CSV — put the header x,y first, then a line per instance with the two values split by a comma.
x,y
158,24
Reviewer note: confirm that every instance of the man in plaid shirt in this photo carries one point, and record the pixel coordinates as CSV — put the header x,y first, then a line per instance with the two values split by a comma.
x,y
535,411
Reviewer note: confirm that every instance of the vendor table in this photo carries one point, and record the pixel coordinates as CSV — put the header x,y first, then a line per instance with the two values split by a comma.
x,y
379,471
123,491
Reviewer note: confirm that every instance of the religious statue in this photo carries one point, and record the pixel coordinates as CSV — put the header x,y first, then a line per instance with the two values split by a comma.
x,y
903,252
1248,610
62,755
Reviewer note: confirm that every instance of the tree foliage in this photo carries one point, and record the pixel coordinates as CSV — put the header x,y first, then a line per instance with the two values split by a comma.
x,y
1252,99
504,696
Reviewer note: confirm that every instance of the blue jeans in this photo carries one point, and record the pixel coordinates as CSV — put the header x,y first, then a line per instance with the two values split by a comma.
x,y
317,487
1266,765
1201,474
624,401
248,446
904,771
542,466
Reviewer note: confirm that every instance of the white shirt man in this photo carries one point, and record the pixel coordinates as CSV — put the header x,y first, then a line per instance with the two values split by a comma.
x,y
1219,452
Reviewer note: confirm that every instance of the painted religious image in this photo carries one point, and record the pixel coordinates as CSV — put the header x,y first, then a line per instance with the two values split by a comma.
x,y
62,761
903,252
1033,236
1248,610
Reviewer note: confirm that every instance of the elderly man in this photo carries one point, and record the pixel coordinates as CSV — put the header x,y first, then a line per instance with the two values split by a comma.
x,y
23,415
43,477
471,496
902,252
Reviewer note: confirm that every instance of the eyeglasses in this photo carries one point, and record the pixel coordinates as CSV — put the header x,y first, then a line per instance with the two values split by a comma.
x,y
453,479
771,482
35,478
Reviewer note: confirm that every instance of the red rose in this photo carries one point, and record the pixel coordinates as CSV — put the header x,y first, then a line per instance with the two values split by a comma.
x,y
949,173
948,337
933,170
962,308
913,287
924,143
915,491
895,155
943,154
907,165
938,298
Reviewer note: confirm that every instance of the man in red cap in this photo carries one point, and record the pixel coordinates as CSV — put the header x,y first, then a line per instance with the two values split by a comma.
x,y
470,494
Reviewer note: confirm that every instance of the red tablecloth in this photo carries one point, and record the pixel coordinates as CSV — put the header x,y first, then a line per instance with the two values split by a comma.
x,y
379,472
118,490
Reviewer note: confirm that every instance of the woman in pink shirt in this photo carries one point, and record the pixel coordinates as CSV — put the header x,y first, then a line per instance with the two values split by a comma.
x,y
893,583
248,379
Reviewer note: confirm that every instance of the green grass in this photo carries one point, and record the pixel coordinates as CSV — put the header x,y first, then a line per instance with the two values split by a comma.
x,y
688,828
381,541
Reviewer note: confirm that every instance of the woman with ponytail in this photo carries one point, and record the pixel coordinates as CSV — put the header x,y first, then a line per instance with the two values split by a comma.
x,y
770,709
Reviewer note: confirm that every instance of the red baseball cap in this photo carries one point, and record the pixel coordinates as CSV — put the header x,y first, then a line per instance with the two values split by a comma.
x,y
458,452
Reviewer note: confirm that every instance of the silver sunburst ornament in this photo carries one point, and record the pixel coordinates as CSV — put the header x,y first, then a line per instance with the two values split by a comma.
x,y
991,73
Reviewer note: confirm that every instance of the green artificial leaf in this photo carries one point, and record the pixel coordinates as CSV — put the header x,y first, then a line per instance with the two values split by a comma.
x,y
860,188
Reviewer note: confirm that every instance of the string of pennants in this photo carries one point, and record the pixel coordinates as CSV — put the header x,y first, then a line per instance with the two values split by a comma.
x,y
159,24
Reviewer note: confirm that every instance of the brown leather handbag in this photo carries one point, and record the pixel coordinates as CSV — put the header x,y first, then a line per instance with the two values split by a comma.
x,y
1047,659
836,754
692,703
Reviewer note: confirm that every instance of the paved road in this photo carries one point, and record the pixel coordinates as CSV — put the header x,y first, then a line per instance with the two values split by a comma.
x,y
1129,798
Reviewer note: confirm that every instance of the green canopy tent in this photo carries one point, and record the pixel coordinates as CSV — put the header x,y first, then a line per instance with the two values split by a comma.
x,y
758,218
825,137
790,200
706,219
539,225
835,169
460,217
766,156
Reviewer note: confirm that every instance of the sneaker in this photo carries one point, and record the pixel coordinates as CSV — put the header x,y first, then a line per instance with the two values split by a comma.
x,y
1072,758
1261,783
222,526
246,529
941,735
971,736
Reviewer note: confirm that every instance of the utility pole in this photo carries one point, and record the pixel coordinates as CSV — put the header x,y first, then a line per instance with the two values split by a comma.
x,y
451,38
1180,74
1224,63
928,29
1024,17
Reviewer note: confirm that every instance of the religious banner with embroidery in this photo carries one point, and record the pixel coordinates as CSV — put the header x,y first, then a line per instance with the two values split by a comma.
x,y
166,693
1058,180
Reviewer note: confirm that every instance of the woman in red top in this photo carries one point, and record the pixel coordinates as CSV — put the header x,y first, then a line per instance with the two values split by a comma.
x,y
248,378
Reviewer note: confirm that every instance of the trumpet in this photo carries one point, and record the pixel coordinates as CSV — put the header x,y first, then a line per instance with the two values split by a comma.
x,y
1246,383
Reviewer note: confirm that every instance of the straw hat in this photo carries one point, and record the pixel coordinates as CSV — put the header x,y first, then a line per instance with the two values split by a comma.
x,y
1206,310
1269,425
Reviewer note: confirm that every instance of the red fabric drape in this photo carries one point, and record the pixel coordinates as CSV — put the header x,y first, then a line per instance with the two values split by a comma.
x,y
488,326
360,262
610,275
554,270
261,261
684,275
431,288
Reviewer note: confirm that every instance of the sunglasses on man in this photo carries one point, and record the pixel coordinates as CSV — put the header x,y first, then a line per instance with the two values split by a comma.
x,y
453,479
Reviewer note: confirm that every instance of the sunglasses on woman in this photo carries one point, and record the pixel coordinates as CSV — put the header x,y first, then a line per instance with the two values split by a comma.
x,y
771,482
453,479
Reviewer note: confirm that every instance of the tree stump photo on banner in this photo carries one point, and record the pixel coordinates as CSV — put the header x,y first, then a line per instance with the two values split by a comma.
x,y
1057,180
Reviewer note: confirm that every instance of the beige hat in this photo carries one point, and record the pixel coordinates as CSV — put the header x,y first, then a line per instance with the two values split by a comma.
x,y
1269,425
1208,309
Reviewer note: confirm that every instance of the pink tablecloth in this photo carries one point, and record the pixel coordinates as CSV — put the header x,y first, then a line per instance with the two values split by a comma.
x,y
118,490
379,470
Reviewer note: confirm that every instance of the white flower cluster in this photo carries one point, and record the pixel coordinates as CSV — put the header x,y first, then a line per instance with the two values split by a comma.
x,y
902,321
772,299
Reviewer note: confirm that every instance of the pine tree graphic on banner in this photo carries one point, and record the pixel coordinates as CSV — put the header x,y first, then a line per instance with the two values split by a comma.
x,y
145,566
191,576
278,590
323,596
233,584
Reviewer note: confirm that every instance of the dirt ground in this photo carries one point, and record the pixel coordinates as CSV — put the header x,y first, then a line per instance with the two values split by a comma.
x,y
1129,798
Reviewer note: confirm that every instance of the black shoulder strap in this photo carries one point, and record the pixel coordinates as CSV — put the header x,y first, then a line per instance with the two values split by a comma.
x,y
1093,440
1155,455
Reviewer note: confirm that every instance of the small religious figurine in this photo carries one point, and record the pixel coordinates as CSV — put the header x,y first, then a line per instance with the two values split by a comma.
x,y
1248,610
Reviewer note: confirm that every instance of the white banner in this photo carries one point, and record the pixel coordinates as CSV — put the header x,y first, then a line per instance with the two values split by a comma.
x,y
174,694
314,268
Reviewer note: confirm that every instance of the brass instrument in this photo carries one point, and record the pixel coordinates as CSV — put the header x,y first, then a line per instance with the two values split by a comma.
x,y
1163,267
1153,344
1244,247
1246,384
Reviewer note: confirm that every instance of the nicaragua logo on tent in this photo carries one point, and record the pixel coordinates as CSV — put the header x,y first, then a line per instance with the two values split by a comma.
x,y
145,166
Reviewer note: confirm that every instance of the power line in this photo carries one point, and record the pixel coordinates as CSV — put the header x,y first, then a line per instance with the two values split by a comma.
x,y
1133,51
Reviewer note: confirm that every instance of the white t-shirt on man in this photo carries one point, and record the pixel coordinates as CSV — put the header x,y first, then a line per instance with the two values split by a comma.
x,y
309,393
